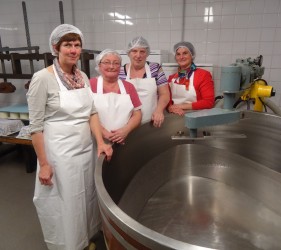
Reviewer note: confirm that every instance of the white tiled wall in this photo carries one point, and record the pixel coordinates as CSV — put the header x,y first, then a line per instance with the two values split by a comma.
x,y
236,29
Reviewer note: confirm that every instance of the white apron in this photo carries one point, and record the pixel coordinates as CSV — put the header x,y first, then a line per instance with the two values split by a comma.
x,y
68,210
180,94
147,91
114,109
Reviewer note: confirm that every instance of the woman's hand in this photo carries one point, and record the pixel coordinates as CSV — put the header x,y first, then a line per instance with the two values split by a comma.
x,y
157,118
176,109
45,175
119,135
107,149
105,133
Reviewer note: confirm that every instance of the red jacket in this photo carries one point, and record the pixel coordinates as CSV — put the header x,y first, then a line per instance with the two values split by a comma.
x,y
204,87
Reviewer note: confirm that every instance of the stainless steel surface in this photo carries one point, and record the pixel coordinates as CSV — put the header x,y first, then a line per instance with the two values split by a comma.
x,y
196,194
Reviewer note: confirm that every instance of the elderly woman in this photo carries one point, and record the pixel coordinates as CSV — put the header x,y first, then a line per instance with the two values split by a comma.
x,y
192,88
62,115
149,79
117,101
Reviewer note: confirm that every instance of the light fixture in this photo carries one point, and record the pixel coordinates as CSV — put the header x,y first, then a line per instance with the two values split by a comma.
x,y
119,18
209,15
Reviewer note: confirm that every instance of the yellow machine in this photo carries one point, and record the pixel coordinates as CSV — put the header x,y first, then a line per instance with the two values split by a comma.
x,y
256,93
242,82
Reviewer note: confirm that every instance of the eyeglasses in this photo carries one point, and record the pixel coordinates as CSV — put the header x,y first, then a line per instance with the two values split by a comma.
x,y
113,64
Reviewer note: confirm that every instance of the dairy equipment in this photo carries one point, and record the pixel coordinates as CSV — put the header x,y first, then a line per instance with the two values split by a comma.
x,y
161,193
244,78
241,78
158,193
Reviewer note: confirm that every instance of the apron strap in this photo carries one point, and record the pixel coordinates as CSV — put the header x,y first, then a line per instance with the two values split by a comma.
x,y
62,87
122,87
100,85
147,71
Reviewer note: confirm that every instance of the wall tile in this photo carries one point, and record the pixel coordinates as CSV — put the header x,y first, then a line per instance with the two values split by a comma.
x,y
226,35
239,48
257,6
190,35
164,24
190,9
279,19
240,35
177,10
252,48
176,23
275,75
266,48
142,24
201,48
267,34
213,35
276,60
142,12
269,20
255,21
277,35
153,11
165,11
241,21
243,7
225,48
254,35
228,8
201,35
214,22
276,48
273,7
227,21
212,48
217,8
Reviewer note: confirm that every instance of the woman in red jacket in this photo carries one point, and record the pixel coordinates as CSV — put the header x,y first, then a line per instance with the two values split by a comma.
x,y
191,88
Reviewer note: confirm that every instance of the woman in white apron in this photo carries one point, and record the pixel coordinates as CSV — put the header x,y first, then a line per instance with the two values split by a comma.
x,y
149,79
116,101
191,88
62,116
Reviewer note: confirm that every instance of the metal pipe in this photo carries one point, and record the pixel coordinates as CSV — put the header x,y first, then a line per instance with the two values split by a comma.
x,y
183,20
27,34
2,61
272,106
61,12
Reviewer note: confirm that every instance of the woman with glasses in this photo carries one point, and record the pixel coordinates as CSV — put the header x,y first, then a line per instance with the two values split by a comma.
x,y
191,88
117,101
149,79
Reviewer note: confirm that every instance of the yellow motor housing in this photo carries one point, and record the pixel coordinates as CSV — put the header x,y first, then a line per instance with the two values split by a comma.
x,y
257,92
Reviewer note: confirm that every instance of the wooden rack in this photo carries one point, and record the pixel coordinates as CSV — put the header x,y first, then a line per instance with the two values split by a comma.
x,y
16,59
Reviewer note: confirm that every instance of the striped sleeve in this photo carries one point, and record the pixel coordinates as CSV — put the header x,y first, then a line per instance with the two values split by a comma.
x,y
122,73
158,73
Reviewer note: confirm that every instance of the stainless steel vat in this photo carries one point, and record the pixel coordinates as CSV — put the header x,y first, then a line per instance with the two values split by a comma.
x,y
217,193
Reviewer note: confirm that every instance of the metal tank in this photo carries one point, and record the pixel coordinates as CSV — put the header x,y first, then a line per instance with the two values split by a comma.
x,y
218,191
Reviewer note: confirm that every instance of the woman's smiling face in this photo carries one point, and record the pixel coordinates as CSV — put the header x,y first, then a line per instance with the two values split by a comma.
x,y
183,57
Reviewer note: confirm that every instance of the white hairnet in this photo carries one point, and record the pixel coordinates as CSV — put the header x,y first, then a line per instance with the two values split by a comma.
x,y
59,32
105,52
187,45
138,42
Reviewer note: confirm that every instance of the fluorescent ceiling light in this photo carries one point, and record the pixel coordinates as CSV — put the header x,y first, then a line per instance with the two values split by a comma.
x,y
209,15
122,19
